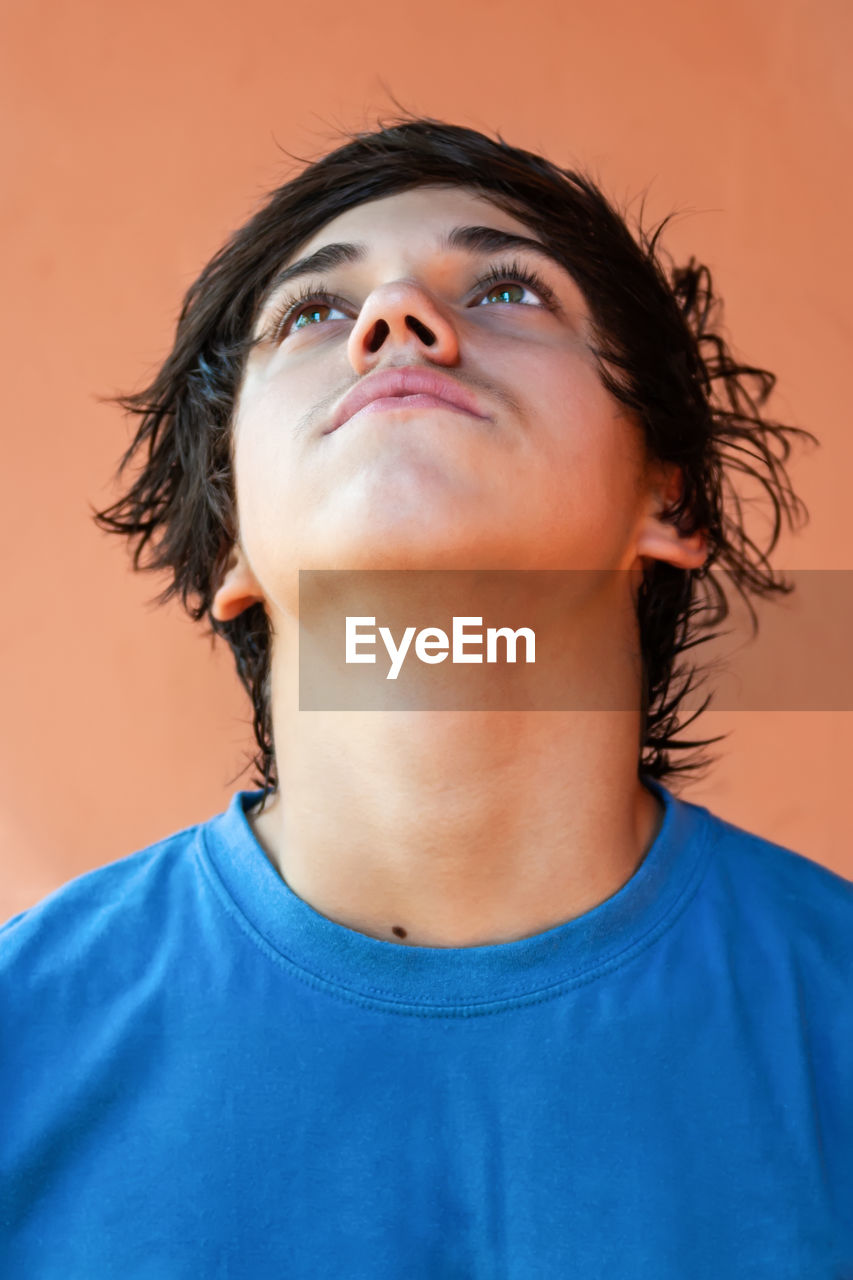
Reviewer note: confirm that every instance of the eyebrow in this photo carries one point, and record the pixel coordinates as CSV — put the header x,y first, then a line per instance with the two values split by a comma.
x,y
474,239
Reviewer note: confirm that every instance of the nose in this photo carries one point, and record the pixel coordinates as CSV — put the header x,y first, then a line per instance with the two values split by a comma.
x,y
401,316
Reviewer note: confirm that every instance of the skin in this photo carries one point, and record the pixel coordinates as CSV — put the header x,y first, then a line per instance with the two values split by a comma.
x,y
448,828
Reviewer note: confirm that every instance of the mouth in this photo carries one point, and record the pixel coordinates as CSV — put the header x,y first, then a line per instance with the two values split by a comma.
x,y
410,388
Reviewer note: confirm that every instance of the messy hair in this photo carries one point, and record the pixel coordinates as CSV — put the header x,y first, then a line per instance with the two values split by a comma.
x,y
658,348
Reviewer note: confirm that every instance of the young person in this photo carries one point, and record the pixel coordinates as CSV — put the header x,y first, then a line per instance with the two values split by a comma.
x,y
454,992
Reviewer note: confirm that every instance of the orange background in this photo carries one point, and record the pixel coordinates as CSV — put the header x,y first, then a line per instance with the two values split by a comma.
x,y
135,138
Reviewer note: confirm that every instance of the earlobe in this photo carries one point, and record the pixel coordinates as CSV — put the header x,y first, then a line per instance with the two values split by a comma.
x,y
238,590
659,538
661,541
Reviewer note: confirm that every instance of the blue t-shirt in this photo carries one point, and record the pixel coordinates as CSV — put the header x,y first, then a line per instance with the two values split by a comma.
x,y
204,1077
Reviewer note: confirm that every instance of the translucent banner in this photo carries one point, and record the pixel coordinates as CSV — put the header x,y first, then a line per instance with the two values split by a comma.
x,y
558,640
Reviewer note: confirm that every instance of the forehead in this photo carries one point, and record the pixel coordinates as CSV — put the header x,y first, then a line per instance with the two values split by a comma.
x,y
416,217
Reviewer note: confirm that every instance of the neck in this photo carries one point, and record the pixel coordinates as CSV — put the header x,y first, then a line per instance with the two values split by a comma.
x,y
446,830
457,828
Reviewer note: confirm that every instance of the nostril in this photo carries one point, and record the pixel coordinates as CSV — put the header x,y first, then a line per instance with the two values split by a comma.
x,y
378,336
381,329
426,335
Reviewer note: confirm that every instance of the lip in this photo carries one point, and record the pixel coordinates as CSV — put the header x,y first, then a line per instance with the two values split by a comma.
x,y
427,386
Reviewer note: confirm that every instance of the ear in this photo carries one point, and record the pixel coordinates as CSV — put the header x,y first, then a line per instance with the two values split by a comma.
x,y
658,537
239,588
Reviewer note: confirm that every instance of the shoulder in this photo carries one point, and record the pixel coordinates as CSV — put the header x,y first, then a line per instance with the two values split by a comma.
x,y
99,918
784,903
793,878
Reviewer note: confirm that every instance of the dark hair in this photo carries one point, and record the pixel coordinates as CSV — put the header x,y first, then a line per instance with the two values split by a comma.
x,y
657,351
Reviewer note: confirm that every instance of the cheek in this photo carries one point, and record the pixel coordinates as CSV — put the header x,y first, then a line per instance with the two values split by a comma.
x,y
261,454
587,430
590,461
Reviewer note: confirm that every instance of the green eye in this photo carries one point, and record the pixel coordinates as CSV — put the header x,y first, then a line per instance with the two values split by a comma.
x,y
315,314
505,293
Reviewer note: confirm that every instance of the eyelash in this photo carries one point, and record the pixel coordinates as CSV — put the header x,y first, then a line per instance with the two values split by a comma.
x,y
503,273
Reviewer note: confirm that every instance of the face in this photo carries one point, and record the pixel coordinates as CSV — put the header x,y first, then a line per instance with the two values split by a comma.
x,y
489,440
